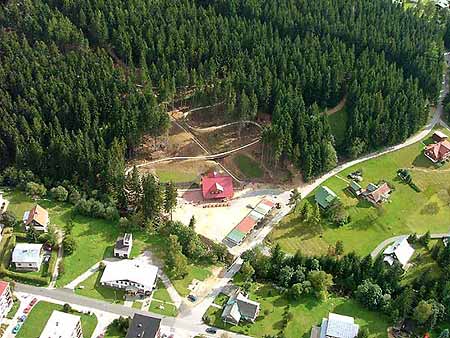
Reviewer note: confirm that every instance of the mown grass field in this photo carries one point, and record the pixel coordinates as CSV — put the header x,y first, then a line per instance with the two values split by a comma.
x,y
306,313
95,238
248,166
41,312
197,272
91,288
338,123
407,212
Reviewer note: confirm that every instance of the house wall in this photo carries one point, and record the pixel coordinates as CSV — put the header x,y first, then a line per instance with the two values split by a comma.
x,y
123,284
30,266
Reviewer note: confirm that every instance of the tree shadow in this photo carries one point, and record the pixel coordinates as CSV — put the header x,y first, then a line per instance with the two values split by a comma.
x,y
421,161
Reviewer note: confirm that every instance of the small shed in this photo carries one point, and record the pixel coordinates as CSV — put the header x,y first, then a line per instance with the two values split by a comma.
x,y
439,136
355,188
325,196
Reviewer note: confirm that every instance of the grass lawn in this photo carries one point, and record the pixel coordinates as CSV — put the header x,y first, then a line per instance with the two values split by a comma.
x,y
95,238
305,313
338,123
164,309
137,305
14,309
407,212
93,289
248,166
194,272
176,176
41,312
161,292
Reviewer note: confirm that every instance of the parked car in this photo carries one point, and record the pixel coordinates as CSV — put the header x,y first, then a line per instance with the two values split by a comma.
x,y
16,328
192,298
211,330
22,318
27,309
34,301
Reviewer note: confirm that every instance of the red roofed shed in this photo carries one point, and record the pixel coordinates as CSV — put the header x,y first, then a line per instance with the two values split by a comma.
x,y
216,186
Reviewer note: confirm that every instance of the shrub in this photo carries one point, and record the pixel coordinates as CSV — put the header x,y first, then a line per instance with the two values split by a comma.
x,y
36,189
59,193
74,196
67,308
69,245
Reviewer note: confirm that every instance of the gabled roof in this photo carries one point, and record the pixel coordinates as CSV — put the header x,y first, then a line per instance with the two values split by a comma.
x,y
38,214
355,186
27,253
401,250
379,193
438,151
130,270
240,306
143,326
231,310
215,186
339,326
324,196
264,207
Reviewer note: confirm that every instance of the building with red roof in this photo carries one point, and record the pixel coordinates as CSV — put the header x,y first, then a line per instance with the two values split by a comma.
x,y
6,300
216,186
438,152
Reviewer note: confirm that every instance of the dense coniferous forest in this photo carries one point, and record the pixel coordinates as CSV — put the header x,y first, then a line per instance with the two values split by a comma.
x,y
82,81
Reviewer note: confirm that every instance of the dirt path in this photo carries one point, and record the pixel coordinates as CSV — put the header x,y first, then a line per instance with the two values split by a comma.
x,y
339,107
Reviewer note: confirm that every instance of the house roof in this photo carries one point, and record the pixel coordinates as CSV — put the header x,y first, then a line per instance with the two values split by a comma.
x,y
379,193
120,243
339,326
438,151
246,224
324,196
236,236
3,286
440,134
264,207
256,216
240,306
355,186
215,186
401,250
60,325
37,214
27,253
131,270
143,326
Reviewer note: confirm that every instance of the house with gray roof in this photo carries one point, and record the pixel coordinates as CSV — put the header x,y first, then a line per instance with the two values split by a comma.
x,y
240,307
336,326
123,246
27,257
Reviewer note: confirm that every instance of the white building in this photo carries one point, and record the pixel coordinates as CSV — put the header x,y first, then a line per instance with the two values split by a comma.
x,y
132,276
27,257
62,325
441,3
3,203
6,299
123,246
400,251
336,326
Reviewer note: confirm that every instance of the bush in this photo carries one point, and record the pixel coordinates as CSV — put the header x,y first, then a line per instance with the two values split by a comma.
x,y
74,196
69,245
95,208
36,189
67,308
59,193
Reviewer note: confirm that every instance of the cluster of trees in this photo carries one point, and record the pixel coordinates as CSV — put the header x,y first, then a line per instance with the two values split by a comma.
x,y
373,283
291,59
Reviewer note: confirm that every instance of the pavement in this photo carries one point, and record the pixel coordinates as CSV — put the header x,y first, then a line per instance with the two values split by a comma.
x,y
58,260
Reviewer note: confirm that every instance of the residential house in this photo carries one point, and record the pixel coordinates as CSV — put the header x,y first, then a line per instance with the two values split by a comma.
x,y
240,307
36,218
217,187
355,188
123,246
62,325
442,4
3,203
439,136
325,196
377,194
143,326
27,257
438,152
6,299
336,326
401,251
132,276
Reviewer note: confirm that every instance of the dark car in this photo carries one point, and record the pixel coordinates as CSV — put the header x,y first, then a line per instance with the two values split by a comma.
x,y
211,330
192,298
